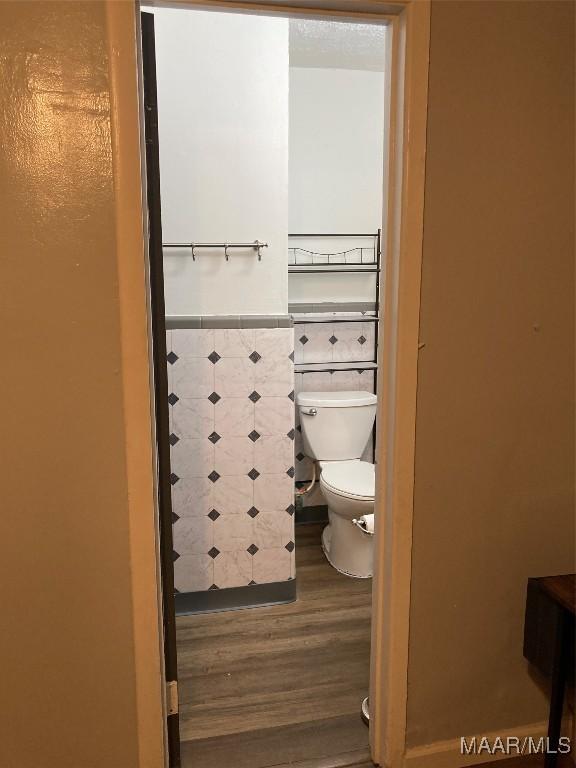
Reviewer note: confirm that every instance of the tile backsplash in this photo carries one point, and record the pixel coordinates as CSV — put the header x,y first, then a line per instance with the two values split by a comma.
x,y
334,342
331,342
232,455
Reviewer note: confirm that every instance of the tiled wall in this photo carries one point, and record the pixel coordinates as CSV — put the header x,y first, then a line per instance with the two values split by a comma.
x,y
337,342
232,456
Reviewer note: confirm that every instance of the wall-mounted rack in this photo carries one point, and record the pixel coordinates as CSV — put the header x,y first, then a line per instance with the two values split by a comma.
x,y
340,261
358,258
256,245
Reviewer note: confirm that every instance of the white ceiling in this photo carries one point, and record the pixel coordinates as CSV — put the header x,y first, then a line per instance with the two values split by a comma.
x,y
336,44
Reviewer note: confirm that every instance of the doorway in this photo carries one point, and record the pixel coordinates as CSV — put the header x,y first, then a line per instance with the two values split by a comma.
x,y
194,616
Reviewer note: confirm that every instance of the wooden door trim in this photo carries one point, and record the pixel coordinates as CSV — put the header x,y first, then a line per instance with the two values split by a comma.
x,y
136,374
398,363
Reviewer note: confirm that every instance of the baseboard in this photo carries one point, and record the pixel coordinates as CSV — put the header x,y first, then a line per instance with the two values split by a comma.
x,y
235,598
447,754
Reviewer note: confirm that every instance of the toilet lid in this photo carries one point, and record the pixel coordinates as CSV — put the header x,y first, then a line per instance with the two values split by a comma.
x,y
350,478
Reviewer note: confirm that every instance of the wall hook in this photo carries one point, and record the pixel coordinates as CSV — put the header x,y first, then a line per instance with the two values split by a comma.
x,y
255,245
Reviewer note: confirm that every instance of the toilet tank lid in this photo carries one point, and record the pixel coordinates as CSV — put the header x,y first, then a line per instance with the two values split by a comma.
x,y
335,399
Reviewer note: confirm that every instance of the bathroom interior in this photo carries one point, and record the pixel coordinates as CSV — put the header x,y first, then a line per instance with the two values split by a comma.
x,y
272,153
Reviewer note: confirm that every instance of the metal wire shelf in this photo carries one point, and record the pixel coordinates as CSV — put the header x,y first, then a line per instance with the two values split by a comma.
x,y
308,320
351,365
359,258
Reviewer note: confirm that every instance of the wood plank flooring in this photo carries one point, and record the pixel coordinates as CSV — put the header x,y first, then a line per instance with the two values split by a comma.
x,y
283,684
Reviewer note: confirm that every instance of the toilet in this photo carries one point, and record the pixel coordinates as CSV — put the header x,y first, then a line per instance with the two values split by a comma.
x,y
336,427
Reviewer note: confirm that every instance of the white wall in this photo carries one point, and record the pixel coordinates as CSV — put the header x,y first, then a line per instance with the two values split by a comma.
x,y
223,126
335,169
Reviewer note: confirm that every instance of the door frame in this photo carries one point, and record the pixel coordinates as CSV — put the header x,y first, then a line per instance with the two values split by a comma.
x,y
160,376
398,353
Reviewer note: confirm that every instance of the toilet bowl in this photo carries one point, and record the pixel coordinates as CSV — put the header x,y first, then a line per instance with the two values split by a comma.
x,y
348,487
336,427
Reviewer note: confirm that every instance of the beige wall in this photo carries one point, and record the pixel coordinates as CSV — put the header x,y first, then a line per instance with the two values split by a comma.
x,y
71,587
494,489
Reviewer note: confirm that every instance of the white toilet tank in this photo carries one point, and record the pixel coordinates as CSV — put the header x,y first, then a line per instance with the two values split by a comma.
x,y
336,425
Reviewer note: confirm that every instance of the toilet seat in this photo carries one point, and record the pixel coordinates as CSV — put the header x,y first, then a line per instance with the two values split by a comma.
x,y
351,479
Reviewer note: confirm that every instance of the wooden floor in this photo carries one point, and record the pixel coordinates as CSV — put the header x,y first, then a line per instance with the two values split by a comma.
x,y
279,685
